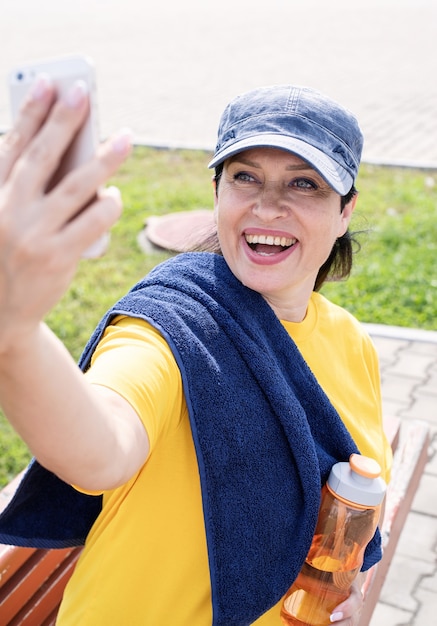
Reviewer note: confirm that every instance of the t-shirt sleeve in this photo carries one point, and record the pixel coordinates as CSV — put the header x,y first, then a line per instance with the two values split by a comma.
x,y
135,361
386,456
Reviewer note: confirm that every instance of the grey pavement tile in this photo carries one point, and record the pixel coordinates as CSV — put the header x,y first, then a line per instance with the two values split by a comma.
x,y
425,500
396,388
418,539
386,344
388,349
404,575
429,384
422,407
429,583
387,615
427,612
411,365
394,408
424,347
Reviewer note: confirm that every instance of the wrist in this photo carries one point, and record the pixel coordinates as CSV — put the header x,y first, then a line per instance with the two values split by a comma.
x,y
17,342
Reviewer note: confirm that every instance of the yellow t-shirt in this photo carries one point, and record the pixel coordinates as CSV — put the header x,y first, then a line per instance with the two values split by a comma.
x,y
145,560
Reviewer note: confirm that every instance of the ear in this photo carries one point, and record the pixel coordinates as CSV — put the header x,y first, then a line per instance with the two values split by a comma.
x,y
346,215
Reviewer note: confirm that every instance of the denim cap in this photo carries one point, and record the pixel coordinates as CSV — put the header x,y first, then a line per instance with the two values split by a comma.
x,y
299,120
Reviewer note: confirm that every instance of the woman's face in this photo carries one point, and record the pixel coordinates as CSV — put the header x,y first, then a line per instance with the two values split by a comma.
x,y
277,221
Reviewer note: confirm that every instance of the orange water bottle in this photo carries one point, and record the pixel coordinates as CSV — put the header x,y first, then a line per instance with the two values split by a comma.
x,y
348,517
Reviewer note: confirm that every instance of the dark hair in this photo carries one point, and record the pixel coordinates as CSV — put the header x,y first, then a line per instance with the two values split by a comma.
x,y
337,266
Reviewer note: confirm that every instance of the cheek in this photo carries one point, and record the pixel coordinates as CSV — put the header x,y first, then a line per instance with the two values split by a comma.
x,y
219,216
322,235
225,214
223,226
336,224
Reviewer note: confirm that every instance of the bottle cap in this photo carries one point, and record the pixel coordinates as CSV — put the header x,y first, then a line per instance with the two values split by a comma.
x,y
358,481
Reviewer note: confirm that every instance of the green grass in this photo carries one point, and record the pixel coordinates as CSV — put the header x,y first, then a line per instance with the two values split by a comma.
x,y
394,279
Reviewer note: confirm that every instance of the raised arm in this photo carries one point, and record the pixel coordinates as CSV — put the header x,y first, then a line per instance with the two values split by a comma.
x,y
86,434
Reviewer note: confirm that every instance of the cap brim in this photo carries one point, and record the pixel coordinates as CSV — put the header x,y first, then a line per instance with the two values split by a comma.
x,y
336,176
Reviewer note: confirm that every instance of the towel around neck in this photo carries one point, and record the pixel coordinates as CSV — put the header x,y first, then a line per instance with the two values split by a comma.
x,y
266,436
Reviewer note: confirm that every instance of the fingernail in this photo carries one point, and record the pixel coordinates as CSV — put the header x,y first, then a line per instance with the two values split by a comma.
x,y
40,87
336,617
76,96
122,142
114,192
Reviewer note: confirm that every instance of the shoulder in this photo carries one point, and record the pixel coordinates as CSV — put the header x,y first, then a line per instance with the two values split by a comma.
x,y
134,335
335,321
335,315
134,360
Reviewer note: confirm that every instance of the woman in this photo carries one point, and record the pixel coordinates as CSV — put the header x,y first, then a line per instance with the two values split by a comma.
x,y
202,431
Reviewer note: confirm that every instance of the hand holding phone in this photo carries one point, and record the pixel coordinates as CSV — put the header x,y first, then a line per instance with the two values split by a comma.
x,y
64,72
43,234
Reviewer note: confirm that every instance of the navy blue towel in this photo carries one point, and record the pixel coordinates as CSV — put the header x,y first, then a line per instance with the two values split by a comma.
x,y
266,436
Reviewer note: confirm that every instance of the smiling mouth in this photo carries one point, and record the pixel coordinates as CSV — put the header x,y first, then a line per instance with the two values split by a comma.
x,y
267,245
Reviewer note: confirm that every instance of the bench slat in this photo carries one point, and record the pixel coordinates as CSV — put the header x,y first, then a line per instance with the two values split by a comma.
x,y
43,607
51,619
28,580
11,559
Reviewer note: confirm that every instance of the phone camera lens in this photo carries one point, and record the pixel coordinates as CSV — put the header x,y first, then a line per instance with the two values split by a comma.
x,y
20,75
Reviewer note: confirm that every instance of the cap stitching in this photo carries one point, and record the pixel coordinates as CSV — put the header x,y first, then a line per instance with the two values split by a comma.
x,y
293,98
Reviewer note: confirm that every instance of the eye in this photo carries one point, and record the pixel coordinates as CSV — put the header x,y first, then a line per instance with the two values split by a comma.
x,y
244,177
303,183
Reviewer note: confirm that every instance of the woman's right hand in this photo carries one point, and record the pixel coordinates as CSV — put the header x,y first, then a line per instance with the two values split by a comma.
x,y
43,235
82,432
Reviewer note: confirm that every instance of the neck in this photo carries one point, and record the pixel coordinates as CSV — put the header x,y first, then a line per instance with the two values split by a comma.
x,y
293,310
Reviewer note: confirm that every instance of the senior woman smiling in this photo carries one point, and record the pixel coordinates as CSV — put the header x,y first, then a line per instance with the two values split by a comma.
x,y
215,396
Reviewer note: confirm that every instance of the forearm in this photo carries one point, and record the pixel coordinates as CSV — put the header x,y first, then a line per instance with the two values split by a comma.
x,y
87,435
69,426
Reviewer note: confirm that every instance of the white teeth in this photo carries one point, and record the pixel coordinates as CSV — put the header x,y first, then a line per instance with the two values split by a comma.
x,y
270,240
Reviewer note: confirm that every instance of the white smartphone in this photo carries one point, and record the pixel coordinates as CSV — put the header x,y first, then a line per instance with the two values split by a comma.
x,y
64,72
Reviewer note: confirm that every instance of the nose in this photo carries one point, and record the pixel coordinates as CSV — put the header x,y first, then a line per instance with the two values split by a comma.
x,y
271,201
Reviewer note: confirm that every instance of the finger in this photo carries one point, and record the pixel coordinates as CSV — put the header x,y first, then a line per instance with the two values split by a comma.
x,y
79,235
80,186
350,609
39,160
30,118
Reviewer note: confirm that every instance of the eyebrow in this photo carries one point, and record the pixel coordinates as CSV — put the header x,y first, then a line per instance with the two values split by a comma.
x,y
291,168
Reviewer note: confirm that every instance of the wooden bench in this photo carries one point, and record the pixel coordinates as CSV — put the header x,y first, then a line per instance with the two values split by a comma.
x,y
32,581
410,442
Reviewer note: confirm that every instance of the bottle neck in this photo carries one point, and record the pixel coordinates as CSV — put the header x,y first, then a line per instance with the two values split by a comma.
x,y
353,505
